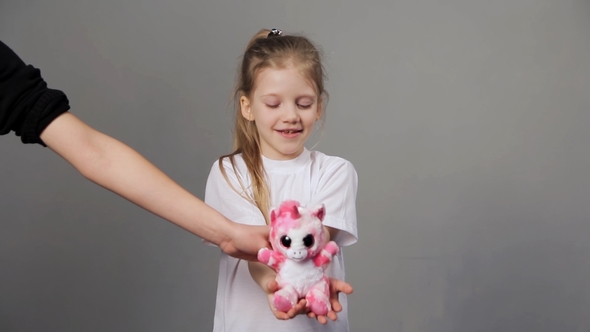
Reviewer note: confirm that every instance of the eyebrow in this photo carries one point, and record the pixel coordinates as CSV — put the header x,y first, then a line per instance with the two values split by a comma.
x,y
299,97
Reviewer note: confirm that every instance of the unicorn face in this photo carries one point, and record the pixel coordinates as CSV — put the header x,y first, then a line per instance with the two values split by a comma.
x,y
297,232
297,244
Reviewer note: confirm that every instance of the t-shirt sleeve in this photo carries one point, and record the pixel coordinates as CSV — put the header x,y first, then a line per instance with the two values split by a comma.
x,y
27,105
337,190
232,204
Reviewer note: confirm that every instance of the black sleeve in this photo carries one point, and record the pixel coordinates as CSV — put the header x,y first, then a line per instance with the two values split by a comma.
x,y
27,106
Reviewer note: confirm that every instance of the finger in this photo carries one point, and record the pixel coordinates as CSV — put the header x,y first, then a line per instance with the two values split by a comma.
x,y
337,285
281,315
302,306
332,315
298,308
335,302
336,306
322,319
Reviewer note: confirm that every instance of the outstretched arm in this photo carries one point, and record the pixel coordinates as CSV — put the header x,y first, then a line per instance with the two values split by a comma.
x,y
39,115
115,166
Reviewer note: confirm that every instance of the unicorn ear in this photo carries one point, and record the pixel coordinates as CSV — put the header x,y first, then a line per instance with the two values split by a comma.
x,y
319,212
273,215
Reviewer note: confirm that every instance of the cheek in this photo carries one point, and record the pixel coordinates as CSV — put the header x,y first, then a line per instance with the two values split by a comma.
x,y
263,115
276,245
310,119
313,251
320,240
274,238
317,241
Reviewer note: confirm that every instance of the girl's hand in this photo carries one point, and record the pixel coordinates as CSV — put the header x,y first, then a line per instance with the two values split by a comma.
x,y
336,286
300,308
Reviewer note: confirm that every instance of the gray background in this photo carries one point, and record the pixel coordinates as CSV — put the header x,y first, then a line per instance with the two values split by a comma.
x,y
467,122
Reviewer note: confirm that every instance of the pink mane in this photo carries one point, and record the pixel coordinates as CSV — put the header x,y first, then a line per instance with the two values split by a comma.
x,y
291,207
287,217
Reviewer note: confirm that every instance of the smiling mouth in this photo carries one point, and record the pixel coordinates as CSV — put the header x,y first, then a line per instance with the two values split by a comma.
x,y
290,131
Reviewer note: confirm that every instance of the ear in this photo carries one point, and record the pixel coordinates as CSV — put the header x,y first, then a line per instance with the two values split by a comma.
x,y
245,108
273,215
319,212
320,109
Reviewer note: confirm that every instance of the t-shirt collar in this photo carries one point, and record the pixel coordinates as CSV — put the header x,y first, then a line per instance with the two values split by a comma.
x,y
271,165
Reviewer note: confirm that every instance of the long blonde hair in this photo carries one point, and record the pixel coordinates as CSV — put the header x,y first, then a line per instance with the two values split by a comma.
x,y
266,50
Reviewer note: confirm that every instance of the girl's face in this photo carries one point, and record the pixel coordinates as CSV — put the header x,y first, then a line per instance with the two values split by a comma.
x,y
284,107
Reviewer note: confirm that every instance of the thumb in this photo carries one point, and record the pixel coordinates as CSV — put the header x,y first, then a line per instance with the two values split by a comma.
x,y
273,286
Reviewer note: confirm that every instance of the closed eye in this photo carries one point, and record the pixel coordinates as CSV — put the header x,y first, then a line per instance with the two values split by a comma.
x,y
273,105
304,106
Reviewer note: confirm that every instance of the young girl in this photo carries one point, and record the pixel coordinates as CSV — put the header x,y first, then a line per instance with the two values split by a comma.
x,y
41,115
279,97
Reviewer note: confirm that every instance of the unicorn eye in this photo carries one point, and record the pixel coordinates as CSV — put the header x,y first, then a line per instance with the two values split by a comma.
x,y
308,240
286,241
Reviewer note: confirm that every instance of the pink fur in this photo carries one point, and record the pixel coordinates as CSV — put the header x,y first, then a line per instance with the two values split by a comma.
x,y
300,256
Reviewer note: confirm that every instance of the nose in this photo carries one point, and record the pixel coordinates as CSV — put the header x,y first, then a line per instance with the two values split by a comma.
x,y
290,114
297,254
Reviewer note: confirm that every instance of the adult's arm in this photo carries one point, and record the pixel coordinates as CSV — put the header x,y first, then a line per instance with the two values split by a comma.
x,y
40,115
115,166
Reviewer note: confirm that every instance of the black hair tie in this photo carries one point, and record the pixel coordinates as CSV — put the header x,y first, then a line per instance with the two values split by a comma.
x,y
274,33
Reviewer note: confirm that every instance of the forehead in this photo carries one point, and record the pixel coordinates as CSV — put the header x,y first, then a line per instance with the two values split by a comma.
x,y
283,81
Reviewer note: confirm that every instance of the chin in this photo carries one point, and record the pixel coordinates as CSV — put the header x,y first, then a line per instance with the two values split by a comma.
x,y
292,153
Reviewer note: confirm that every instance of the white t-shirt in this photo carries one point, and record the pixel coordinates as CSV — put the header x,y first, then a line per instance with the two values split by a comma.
x,y
312,178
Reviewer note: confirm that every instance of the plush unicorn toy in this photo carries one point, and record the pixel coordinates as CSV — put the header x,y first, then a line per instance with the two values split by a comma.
x,y
300,255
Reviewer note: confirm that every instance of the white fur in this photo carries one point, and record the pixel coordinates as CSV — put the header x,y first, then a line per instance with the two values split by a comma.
x,y
301,275
298,251
271,261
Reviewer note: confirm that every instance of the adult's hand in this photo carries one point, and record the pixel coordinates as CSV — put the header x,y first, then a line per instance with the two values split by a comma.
x,y
244,241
